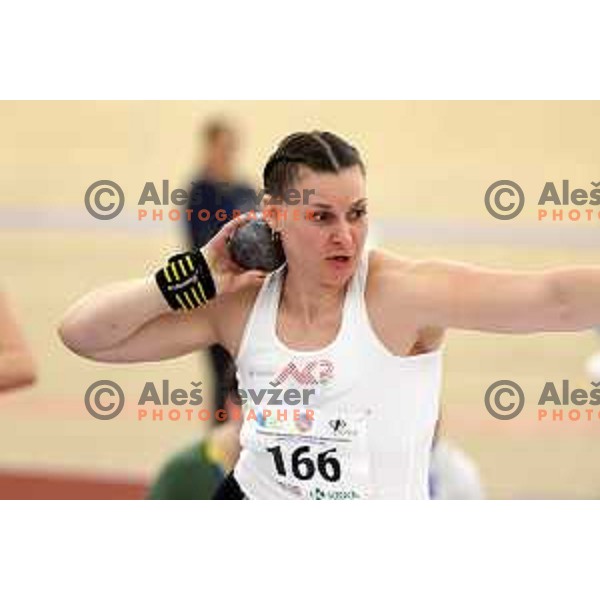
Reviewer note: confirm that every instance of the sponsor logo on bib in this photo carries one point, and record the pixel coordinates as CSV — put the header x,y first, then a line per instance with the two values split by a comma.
x,y
320,494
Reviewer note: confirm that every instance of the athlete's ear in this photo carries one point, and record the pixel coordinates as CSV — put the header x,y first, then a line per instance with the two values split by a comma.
x,y
271,212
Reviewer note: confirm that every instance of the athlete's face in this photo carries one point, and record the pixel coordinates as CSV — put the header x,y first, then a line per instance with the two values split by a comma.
x,y
326,243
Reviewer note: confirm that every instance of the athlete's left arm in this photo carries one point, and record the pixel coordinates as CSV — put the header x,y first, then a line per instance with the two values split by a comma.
x,y
451,294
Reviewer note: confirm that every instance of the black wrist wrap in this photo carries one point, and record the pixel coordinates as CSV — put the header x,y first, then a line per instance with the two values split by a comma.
x,y
186,281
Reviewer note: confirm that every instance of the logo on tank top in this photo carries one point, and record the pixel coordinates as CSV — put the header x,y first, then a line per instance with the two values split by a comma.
x,y
338,425
341,428
304,423
315,372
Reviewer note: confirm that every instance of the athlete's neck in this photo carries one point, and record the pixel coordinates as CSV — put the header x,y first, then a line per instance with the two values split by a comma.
x,y
310,303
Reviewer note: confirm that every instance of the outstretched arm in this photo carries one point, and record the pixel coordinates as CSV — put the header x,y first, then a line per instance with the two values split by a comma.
x,y
451,294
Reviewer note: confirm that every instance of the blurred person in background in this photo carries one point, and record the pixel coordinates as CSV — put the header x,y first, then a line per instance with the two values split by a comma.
x,y
217,187
17,368
197,471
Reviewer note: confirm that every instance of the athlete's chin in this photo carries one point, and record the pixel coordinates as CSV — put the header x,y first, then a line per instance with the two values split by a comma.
x,y
340,272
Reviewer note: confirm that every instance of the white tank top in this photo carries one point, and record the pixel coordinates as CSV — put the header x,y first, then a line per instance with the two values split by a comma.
x,y
363,419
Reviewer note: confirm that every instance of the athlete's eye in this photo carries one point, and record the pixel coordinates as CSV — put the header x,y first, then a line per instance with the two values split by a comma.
x,y
358,213
321,216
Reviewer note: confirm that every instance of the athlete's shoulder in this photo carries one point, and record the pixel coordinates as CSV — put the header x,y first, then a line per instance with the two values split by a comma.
x,y
383,262
394,272
388,272
390,282
394,298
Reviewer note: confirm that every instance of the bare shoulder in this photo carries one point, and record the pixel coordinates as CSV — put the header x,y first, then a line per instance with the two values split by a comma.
x,y
389,268
231,313
383,263
404,279
390,276
393,303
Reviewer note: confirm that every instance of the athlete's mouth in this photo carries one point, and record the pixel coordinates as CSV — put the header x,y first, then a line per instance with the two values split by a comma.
x,y
340,258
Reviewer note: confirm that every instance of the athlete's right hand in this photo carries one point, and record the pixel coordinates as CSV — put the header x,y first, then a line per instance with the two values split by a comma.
x,y
227,274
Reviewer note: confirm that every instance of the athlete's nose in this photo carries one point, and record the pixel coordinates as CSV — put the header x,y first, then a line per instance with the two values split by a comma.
x,y
342,235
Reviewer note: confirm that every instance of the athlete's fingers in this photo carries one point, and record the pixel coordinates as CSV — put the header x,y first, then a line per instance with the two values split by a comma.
x,y
249,278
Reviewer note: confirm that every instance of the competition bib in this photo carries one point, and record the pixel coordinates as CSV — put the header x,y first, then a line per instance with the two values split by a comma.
x,y
315,454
